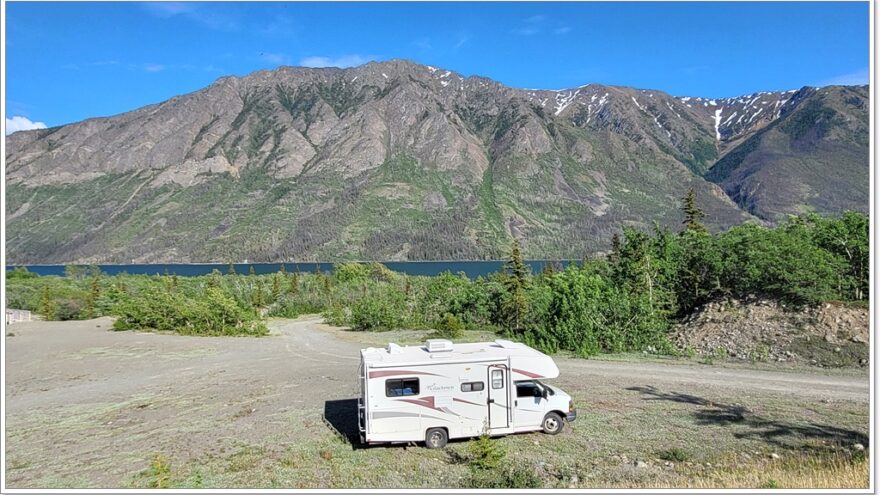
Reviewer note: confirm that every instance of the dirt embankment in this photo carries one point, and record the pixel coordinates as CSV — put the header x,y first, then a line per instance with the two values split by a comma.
x,y
828,335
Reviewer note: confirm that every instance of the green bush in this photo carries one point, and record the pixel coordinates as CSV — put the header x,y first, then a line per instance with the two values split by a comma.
x,y
378,312
675,454
214,313
20,273
448,327
485,453
510,476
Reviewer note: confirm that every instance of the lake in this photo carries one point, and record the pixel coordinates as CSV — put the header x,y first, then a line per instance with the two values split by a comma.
x,y
472,269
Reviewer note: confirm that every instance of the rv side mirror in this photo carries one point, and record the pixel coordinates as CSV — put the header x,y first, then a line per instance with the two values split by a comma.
x,y
544,393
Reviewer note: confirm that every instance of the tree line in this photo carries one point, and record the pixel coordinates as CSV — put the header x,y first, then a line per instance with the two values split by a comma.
x,y
624,300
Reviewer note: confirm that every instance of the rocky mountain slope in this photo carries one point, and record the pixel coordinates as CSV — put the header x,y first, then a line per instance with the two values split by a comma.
x,y
395,160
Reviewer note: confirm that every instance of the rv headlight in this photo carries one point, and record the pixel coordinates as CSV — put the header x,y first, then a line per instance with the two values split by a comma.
x,y
570,406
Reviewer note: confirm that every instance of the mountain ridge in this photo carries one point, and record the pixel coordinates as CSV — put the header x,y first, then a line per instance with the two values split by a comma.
x,y
395,160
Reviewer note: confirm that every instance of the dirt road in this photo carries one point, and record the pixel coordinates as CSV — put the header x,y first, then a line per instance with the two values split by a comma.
x,y
87,407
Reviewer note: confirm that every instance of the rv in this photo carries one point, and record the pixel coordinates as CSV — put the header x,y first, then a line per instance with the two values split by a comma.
x,y
442,390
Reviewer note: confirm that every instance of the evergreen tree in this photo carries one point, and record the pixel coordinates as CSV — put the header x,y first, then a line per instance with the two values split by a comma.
x,y
515,266
47,307
231,269
293,285
214,279
92,297
692,213
258,298
515,305
276,287
251,270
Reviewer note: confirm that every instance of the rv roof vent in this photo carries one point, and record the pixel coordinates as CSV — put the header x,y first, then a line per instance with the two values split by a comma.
x,y
506,344
394,348
438,345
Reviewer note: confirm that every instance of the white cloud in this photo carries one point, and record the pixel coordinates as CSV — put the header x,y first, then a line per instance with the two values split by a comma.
x,y
275,58
527,31
343,61
562,30
19,123
213,18
154,67
853,78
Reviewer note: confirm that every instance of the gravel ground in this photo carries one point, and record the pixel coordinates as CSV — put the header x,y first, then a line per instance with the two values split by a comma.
x,y
88,407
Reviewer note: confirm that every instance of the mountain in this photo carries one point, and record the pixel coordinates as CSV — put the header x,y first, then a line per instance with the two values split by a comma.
x,y
394,160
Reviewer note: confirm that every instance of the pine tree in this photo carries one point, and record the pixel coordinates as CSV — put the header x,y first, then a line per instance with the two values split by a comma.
x,y
258,298
692,213
515,303
515,266
231,269
47,306
293,286
214,279
92,297
251,270
282,269
276,287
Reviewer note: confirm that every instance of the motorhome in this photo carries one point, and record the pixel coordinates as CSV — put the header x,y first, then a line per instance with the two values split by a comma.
x,y
441,390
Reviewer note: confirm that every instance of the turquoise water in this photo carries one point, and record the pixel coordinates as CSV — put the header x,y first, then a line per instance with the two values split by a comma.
x,y
472,269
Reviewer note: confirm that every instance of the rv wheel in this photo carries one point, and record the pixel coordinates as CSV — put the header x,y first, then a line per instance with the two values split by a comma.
x,y
436,438
552,424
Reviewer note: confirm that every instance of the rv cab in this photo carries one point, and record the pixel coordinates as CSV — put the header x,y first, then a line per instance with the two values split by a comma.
x,y
441,390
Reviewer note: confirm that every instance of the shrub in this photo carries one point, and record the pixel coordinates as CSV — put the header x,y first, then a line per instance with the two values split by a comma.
x,y
510,476
675,454
348,272
449,327
485,453
158,475
210,313
337,315
20,273
378,312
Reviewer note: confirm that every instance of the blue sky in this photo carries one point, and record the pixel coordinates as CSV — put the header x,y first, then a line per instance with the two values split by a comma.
x,y
70,61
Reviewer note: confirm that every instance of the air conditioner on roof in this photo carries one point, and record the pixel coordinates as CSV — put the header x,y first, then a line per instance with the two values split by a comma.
x,y
438,345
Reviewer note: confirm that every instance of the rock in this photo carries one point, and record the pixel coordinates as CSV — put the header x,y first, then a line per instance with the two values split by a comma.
x,y
574,479
858,339
837,349
859,447
641,464
775,456
829,338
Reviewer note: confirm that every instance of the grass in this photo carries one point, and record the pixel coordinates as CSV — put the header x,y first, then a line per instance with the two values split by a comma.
x,y
799,471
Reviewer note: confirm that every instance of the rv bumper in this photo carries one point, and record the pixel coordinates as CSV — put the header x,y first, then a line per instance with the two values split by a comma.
x,y
571,416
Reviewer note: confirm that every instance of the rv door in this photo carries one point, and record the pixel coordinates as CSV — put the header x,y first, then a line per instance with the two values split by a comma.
x,y
498,397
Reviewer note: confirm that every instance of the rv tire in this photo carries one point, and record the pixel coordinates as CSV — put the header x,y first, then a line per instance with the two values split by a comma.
x,y
436,438
552,423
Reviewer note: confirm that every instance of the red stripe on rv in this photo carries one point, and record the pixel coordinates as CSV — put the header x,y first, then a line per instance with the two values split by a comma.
x,y
527,373
379,374
456,399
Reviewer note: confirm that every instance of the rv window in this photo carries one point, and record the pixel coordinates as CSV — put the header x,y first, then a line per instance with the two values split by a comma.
x,y
472,386
401,387
497,379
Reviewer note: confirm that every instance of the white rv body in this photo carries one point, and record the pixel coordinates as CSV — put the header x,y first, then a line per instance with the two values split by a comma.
x,y
463,389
